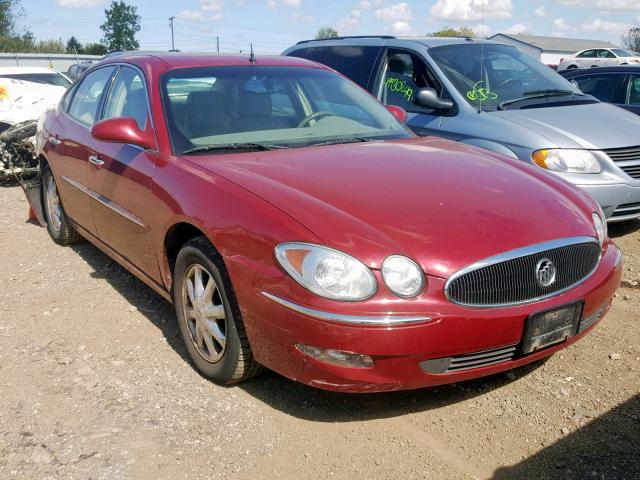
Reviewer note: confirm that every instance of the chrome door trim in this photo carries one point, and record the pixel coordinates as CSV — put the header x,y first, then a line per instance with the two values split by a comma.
x,y
106,202
365,320
54,141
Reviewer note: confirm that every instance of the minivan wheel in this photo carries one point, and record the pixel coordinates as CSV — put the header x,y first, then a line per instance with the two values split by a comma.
x,y
60,229
208,315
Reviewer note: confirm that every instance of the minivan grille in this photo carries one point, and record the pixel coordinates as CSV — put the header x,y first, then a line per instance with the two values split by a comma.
x,y
630,154
512,278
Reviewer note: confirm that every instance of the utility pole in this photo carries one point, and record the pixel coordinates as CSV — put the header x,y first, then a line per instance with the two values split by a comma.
x,y
173,45
218,44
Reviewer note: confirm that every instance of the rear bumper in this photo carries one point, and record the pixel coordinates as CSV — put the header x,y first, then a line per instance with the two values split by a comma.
x,y
400,351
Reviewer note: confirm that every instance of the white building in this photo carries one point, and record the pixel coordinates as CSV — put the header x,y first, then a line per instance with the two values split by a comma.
x,y
549,50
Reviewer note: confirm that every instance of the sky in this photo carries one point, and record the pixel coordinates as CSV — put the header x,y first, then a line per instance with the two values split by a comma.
x,y
273,25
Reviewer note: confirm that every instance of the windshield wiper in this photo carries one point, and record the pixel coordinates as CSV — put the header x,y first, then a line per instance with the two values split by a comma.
x,y
550,92
338,141
234,147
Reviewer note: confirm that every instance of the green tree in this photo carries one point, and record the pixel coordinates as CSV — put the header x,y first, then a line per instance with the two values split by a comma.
x,y
327,32
10,11
73,46
465,32
120,27
94,49
632,39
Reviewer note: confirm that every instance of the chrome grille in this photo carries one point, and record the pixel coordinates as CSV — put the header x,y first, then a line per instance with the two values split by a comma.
x,y
510,278
469,361
628,159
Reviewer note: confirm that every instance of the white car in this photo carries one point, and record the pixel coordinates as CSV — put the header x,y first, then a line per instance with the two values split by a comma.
x,y
42,75
598,57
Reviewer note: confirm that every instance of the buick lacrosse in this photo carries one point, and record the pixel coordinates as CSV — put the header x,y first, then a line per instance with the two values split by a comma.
x,y
296,224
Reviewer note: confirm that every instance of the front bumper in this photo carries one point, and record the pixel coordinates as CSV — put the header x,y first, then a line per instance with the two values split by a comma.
x,y
401,351
619,202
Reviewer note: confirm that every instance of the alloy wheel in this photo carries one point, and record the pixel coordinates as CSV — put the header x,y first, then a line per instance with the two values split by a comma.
x,y
52,200
204,313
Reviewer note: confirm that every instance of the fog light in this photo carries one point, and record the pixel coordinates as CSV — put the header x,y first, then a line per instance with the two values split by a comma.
x,y
336,357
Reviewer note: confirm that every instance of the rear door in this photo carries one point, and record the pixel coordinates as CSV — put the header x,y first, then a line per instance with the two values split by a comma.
x,y
586,59
121,177
68,147
402,74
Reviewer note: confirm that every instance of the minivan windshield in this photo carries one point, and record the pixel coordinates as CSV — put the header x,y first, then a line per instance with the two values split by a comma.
x,y
489,75
237,108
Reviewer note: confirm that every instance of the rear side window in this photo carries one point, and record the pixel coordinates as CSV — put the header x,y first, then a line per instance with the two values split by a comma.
x,y
605,87
86,99
354,62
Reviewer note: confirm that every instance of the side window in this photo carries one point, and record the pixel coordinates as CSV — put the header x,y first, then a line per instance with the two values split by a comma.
x,y
605,87
605,54
85,101
633,90
353,62
404,74
64,103
587,54
127,97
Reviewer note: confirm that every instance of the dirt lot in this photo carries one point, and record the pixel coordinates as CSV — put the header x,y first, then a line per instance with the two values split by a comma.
x,y
94,383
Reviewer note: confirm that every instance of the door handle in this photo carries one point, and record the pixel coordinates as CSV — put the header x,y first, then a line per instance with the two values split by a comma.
x,y
54,141
96,160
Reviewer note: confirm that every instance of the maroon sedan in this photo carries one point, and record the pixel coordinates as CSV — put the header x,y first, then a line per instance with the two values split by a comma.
x,y
296,224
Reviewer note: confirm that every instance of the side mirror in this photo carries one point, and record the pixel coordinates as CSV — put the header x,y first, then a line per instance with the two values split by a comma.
x,y
398,112
428,98
123,130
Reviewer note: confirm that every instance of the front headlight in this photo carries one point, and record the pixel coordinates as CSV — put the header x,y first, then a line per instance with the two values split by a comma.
x,y
327,272
402,275
567,160
600,226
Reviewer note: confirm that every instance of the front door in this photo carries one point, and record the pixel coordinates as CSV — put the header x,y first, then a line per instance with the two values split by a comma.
x,y
403,74
121,176
68,150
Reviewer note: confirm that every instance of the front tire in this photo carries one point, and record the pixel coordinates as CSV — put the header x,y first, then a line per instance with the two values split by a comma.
x,y
208,315
60,229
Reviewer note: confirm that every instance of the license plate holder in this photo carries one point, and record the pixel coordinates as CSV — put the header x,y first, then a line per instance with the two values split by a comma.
x,y
551,326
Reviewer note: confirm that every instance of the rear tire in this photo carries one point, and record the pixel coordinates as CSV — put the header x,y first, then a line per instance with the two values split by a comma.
x,y
208,315
60,229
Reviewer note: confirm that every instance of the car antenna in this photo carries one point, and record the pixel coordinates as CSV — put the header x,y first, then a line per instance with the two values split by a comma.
x,y
252,56
481,54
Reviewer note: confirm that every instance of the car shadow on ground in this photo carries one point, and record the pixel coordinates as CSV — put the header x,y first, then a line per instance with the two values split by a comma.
x,y
281,393
606,448
620,229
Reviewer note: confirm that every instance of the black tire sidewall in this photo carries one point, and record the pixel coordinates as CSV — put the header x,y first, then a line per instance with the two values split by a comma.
x,y
223,370
60,236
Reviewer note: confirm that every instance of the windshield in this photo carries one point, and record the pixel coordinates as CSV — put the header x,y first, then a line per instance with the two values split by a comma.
x,y
273,107
46,78
622,53
488,74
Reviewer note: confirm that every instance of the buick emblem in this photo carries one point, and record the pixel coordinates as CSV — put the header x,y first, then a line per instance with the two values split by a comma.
x,y
545,272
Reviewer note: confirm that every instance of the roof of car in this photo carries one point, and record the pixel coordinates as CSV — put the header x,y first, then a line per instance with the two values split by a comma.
x,y
379,40
18,70
613,69
185,60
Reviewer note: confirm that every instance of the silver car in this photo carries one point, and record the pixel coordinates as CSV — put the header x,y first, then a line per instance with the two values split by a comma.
x,y
497,97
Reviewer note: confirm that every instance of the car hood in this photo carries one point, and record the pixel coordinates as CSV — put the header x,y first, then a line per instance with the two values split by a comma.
x,y
593,126
444,204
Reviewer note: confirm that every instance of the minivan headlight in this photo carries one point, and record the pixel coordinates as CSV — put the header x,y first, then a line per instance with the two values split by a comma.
x,y
567,160
327,272
600,226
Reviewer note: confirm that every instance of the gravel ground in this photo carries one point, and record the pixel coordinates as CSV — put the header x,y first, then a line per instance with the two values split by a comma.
x,y
94,383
